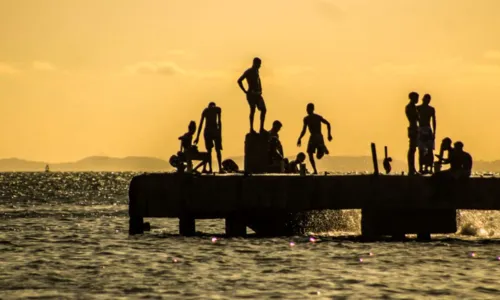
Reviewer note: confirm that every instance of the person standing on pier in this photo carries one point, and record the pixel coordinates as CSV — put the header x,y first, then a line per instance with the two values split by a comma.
x,y
427,135
254,93
316,141
412,116
212,133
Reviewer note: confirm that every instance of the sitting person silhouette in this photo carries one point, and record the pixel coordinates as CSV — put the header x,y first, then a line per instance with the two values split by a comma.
x,y
445,147
189,152
316,141
276,155
460,161
293,166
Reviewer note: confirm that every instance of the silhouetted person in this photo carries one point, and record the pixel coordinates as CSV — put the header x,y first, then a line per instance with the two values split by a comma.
x,y
316,141
229,166
276,154
412,116
186,144
446,146
427,134
254,93
293,166
460,161
212,133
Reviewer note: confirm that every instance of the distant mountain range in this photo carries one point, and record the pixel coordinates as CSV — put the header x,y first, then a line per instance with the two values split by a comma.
x,y
151,164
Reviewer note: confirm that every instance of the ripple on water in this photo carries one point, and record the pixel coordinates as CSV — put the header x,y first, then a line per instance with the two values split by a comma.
x,y
64,236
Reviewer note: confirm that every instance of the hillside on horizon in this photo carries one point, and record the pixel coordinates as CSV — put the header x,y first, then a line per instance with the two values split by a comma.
x,y
153,164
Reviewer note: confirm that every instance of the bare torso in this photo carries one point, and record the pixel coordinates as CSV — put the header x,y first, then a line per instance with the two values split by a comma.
x,y
253,80
313,122
425,112
210,115
412,115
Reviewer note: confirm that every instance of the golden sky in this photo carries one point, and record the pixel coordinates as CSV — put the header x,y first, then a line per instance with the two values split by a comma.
x,y
125,77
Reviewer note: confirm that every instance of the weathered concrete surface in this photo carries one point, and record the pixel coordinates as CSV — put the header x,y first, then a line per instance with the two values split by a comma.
x,y
170,195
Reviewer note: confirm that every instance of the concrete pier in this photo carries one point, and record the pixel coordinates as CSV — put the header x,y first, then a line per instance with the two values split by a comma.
x,y
391,205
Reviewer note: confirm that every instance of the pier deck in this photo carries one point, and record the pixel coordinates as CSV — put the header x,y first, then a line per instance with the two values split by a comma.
x,y
235,197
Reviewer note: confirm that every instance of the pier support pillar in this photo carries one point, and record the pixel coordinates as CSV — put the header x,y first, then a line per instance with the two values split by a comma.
x,y
398,222
187,226
136,225
236,226
256,153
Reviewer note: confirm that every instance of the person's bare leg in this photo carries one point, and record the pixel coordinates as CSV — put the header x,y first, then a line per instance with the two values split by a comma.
x,y
252,114
262,118
219,160
210,160
411,160
421,160
313,163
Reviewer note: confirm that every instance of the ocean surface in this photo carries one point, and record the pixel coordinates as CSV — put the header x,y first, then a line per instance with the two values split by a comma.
x,y
65,236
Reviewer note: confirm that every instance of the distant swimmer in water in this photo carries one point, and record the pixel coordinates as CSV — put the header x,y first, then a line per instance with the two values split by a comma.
x,y
212,134
426,135
412,116
254,92
316,141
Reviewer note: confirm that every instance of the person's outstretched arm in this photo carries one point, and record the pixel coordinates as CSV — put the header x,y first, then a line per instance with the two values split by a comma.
x,y
303,132
199,128
329,128
240,82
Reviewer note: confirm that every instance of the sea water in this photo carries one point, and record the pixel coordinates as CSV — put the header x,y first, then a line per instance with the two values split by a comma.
x,y
65,236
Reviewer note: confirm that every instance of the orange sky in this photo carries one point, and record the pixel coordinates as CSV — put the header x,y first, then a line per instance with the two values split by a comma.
x,y
123,77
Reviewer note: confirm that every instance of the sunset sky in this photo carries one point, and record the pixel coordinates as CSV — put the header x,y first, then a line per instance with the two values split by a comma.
x,y
124,78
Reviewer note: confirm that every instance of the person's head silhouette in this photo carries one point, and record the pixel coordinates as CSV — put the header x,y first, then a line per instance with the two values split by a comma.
x,y
192,127
310,108
459,146
277,125
211,104
301,157
446,143
426,99
413,97
256,63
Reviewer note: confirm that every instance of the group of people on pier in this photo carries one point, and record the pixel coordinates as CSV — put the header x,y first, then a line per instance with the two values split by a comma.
x,y
421,134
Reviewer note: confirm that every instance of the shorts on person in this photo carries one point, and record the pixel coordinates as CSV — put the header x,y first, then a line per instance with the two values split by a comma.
x,y
317,145
255,99
213,139
425,138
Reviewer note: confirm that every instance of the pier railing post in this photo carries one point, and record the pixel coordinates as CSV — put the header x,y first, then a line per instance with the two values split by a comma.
x,y
375,160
